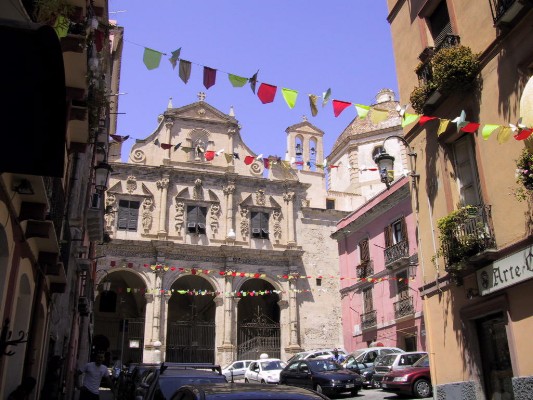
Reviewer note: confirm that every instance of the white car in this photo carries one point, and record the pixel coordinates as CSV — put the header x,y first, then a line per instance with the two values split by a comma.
x,y
236,369
317,353
265,370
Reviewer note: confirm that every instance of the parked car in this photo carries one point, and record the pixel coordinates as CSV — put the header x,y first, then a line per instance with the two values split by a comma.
x,y
265,370
362,361
324,376
161,382
317,353
393,362
232,391
411,381
236,369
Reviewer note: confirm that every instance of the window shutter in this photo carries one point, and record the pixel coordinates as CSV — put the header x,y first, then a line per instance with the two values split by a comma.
x,y
264,222
192,218
133,215
404,230
388,236
123,213
364,251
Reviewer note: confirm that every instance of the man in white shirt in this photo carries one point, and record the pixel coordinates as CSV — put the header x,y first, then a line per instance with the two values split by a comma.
x,y
93,373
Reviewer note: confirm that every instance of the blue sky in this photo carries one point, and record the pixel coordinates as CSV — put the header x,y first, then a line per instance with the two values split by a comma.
x,y
304,45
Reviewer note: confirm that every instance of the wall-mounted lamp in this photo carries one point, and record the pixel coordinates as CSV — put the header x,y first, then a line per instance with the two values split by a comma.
x,y
412,269
385,162
24,187
101,174
471,293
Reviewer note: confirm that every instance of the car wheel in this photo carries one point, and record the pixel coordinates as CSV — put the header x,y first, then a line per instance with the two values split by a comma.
x,y
376,384
354,392
422,388
246,380
319,389
263,381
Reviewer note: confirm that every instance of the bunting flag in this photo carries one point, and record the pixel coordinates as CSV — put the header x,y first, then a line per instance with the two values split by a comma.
x,y
210,76
488,130
325,97
285,164
409,119
156,142
209,155
61,26
377,115
460,121
312,104
266,163
237,81
424,118
443,125
151,58
266,93
290,96
176,147
186,149
166,146
175,57
339,106
362,110
259,157
523,134
219,152
253,81
504,134
249,159
471,127
119,139
236,156
229,157
185,70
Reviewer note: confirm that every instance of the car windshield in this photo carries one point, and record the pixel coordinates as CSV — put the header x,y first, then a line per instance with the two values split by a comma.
x,y
359,355
423,362
272,365
324,365
385,360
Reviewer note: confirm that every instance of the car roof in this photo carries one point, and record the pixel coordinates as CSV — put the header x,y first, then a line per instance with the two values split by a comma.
x,y
252,391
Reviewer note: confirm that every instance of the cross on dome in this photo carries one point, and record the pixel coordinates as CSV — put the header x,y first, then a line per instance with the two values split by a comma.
x,y
201,96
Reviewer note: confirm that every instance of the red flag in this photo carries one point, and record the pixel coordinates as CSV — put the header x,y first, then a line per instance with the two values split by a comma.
x,y
471,127
266,93
209,155
523,134
166,146
249,159
118,138
266,162
210,76
339,106
424,118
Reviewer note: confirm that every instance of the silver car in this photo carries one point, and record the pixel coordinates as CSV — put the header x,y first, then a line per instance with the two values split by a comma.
x,y
236,369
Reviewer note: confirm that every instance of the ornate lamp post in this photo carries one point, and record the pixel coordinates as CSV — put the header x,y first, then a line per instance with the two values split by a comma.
x,y
385,162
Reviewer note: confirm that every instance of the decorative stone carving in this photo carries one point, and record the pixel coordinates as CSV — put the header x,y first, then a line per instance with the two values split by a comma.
x,y
260,197
169,122
288,196
198,193
306,202
179,218
138,156
148,206
111,210
257,167
131,184
245,224
199,149
162,183
229,189
277,216
215,213
201,112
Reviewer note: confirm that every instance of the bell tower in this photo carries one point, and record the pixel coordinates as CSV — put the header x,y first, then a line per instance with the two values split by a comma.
x,y
305,146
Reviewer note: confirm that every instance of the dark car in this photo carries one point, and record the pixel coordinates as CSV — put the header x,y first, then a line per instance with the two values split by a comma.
x,y
412,381
245,391
160,383
324,376
392,362
365,370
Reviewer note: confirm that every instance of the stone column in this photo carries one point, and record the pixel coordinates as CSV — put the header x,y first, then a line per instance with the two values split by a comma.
x,y
228,311
228,190
162,185
293,315
148,338
288,197
156,318
169,122
164,324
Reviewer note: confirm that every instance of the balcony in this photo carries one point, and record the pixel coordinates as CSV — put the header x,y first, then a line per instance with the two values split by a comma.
x,y
369,320
397,256
424,70
365,269
505,11
404,307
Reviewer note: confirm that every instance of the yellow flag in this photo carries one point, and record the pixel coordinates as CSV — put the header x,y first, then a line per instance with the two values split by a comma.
x,y
504,134
443,125
377,115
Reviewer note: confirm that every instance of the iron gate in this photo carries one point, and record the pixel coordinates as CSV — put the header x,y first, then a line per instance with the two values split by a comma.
x,y
260,335
132,339
191,341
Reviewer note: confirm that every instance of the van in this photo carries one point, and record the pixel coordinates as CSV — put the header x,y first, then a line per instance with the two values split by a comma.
x,y
362,361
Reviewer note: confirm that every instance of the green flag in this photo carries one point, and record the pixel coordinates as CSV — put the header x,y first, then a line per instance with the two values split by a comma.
x,y
488,130
408,119
325,97
61,26
362,110
151,58
237,81
290,96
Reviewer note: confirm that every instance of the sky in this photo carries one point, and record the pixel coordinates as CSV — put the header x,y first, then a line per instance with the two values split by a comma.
x,y
303,45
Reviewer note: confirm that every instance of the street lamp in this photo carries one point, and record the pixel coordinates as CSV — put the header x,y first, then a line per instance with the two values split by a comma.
x,y
385,162
102,168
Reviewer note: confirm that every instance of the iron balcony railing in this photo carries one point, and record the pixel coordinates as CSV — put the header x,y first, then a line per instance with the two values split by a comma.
x,y
396,253
404,307
365,269
506,10
369,319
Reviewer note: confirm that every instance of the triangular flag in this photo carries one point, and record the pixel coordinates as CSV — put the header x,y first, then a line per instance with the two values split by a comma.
x,y
285,164
249,159
185,70
229,157
362,110
61,26
209,155
488,130
151,58
266,163
237,81
236,156
325,97
186,149
504,134
443,125
471,127
312,103
156,142
523,134
266,93
166,146
259,157
119,139
210,76
409,119
377,115
176,147
219,152
175,57
290,96
460,120
339,106
424,118
253,81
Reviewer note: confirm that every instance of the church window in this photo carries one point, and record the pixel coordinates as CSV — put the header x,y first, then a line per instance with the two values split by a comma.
x,y
196,216
128,215
259,224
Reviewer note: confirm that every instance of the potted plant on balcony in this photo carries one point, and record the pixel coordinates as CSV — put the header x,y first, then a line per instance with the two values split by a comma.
x,y
524,175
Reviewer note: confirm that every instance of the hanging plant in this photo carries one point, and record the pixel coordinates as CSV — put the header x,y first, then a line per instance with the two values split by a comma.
x,y
524,175
47,11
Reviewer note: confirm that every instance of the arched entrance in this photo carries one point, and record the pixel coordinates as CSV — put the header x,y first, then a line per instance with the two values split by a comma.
x,y
119,310
258,328
191,321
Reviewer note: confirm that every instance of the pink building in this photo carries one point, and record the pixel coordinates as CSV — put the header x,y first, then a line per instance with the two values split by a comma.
x,y
378,267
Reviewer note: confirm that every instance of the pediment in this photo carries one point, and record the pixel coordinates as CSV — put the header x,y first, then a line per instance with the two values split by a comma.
x,y
305,127
200,111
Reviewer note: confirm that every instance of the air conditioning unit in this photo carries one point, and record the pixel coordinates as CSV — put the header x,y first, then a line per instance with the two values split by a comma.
x,y
96,199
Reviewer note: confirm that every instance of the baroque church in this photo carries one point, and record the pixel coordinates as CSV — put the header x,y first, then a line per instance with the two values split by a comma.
x,y
216,253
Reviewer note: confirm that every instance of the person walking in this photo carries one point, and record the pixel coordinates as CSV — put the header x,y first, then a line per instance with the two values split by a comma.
x,y
337,356
93,373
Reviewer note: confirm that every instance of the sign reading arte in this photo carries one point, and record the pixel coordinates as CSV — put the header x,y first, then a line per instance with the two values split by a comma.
x,y
508,271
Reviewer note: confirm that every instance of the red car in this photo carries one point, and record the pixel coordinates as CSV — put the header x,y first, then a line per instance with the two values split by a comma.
x,y
414,380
